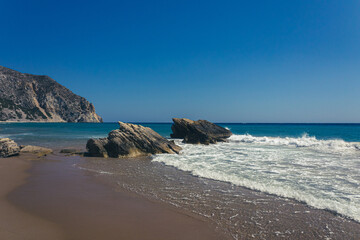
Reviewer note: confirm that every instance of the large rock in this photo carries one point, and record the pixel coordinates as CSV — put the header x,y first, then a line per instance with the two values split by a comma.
x,y
8,148
200,131
96,147
130,140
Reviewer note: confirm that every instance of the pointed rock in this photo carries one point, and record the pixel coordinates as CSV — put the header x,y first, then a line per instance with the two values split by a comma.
x,y
130,140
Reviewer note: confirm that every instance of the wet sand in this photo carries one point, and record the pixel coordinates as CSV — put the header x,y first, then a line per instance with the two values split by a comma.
x,y
14,223
237,212
83,208
88,198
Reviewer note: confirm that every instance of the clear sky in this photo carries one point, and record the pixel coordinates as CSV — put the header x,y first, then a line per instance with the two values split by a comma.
x,y
225,61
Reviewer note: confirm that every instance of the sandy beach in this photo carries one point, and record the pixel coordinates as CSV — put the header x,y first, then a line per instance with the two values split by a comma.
x,y
180,120
67,204
60,197
15,223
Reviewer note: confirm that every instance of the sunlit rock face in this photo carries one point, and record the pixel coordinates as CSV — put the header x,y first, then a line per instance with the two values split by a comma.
x,y
130,140
8,148
27,97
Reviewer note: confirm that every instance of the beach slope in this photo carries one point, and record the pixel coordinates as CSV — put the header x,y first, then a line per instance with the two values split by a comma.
x,y
14,223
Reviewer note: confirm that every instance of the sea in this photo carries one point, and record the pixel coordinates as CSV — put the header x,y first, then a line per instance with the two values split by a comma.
x,y
314,164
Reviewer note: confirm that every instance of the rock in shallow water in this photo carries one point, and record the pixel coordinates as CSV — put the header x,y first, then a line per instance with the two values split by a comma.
x,y
72,152
200,131
41,151
130,140
69,150
96,147
8,148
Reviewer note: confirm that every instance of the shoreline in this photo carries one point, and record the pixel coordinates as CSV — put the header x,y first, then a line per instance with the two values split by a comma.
x,y
92,210
238,212
95,207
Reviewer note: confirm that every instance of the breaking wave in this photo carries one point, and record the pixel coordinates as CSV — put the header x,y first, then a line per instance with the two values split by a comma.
x,y
324,174
304,141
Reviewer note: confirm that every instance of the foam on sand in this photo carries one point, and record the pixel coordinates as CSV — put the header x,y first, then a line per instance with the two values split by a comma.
x,y
324,174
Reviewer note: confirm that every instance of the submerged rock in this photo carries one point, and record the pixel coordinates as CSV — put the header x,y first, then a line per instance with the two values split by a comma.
x,y
8,148
69,150
200,131
41,151
130,140
72,152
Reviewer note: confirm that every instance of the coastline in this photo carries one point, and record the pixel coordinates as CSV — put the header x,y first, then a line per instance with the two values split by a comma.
x,y
96,207
92,210
88,197
237,212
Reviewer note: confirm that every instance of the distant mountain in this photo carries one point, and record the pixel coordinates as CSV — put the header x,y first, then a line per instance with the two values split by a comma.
x,y
26,97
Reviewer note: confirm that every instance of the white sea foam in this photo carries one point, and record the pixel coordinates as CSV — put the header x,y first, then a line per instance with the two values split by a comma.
x,y
89,136
15,135
93,170
323,173
335,145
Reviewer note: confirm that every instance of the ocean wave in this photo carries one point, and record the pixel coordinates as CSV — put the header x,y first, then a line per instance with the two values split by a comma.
x,y
324,174
304,141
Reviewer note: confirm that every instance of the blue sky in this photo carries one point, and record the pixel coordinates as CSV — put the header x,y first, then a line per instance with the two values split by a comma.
x,y
225,61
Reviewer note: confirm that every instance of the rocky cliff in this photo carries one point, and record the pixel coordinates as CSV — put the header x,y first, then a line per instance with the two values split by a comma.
x,y
26,97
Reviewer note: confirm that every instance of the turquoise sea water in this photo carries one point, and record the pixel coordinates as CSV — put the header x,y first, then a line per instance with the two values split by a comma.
x,y
318,164
66,134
